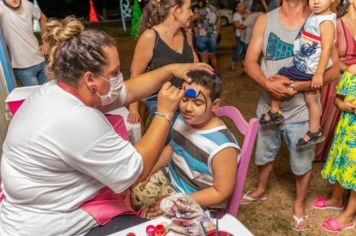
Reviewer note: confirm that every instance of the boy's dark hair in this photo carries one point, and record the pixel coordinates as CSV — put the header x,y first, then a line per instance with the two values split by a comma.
x,y
212,82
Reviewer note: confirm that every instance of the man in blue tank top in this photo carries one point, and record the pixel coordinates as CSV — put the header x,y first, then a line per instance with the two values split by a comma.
x,y
273,36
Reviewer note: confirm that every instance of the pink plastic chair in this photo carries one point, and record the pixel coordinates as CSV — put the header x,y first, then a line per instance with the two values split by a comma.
x,y
249,130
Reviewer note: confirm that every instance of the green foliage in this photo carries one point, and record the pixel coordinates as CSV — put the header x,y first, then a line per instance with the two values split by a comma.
x,y
135,19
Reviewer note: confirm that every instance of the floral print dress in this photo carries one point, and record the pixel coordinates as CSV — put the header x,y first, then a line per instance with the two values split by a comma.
x,y
340,165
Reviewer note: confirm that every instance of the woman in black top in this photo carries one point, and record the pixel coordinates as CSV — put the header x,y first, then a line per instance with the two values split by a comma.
x,y
164,39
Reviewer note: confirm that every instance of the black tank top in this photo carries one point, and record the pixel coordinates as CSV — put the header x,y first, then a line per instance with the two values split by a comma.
x,y
164,55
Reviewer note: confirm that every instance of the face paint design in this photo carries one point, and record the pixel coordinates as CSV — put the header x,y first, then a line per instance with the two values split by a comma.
x,y
191,94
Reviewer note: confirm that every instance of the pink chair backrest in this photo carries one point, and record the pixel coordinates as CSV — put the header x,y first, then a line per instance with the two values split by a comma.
x,y
249,130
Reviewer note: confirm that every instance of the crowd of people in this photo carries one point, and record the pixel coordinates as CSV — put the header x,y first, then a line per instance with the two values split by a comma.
x,y
62,158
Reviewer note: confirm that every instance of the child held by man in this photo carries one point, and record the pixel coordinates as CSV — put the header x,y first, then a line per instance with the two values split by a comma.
x,y
312,50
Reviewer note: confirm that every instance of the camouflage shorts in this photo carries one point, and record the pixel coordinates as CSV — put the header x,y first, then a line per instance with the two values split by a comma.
x,y
158,185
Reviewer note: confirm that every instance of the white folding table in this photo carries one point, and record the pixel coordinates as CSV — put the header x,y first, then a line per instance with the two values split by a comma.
x,y
227,223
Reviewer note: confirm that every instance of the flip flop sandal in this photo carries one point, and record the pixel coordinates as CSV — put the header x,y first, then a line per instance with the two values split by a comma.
x,y
316,137
274,118
320,204
297,221
333,226
247,199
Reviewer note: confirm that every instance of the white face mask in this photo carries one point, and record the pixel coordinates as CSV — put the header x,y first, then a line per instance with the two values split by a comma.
x,y
116,84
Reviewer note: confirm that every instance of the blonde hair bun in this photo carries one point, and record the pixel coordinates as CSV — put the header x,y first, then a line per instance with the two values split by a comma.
x,y
60,31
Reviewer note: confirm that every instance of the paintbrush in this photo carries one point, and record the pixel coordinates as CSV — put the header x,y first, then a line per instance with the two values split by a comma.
x,y
204,230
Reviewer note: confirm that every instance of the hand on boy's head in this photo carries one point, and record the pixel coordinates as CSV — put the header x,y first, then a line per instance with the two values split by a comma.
x,y
182,70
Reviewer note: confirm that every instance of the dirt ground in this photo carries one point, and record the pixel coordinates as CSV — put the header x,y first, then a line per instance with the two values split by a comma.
x,y
273,216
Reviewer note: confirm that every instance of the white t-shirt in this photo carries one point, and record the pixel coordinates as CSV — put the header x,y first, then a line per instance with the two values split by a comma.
x,y
18,33
249,22
58,153
237,17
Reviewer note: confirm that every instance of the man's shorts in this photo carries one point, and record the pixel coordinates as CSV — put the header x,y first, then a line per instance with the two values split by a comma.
x,y
157,186
269,142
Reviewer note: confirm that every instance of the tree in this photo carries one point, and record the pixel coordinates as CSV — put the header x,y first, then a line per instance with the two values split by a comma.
x,y
135,19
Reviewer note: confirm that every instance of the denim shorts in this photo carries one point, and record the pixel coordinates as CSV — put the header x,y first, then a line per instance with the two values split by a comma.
x,y
34,75
269,142
205,44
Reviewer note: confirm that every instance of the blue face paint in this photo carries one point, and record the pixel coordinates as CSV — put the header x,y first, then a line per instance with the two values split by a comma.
x,y
191,93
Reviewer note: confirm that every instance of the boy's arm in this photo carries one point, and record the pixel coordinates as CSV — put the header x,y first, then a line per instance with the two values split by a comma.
x,y
162,162
164,158
224,167
327,34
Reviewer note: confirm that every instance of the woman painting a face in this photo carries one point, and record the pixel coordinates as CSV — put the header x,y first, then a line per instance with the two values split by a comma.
x,y
60,151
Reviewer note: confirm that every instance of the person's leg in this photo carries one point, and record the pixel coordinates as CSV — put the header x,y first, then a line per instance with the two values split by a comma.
x,y
314,109
211,47
214,62
274,115
268,144
235,55
337,196
200,43
347,217
302,184
118,223
42,74
275,105
28,76
301,165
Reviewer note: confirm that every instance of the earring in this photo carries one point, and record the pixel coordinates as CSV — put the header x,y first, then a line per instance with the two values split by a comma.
x,y
93,89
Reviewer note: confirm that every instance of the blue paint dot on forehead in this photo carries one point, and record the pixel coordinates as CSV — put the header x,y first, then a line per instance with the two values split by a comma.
x,y
190,93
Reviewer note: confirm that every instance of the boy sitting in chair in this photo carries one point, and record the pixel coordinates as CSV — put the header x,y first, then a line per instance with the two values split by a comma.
x,y
201,159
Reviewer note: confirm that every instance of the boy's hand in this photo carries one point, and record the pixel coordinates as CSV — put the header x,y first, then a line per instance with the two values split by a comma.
x,y
317,81
154,209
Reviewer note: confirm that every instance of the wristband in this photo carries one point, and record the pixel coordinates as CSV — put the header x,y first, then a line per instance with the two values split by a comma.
x,y
164,116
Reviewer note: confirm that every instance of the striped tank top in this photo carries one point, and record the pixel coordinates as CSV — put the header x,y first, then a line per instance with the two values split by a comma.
x,y
190,167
